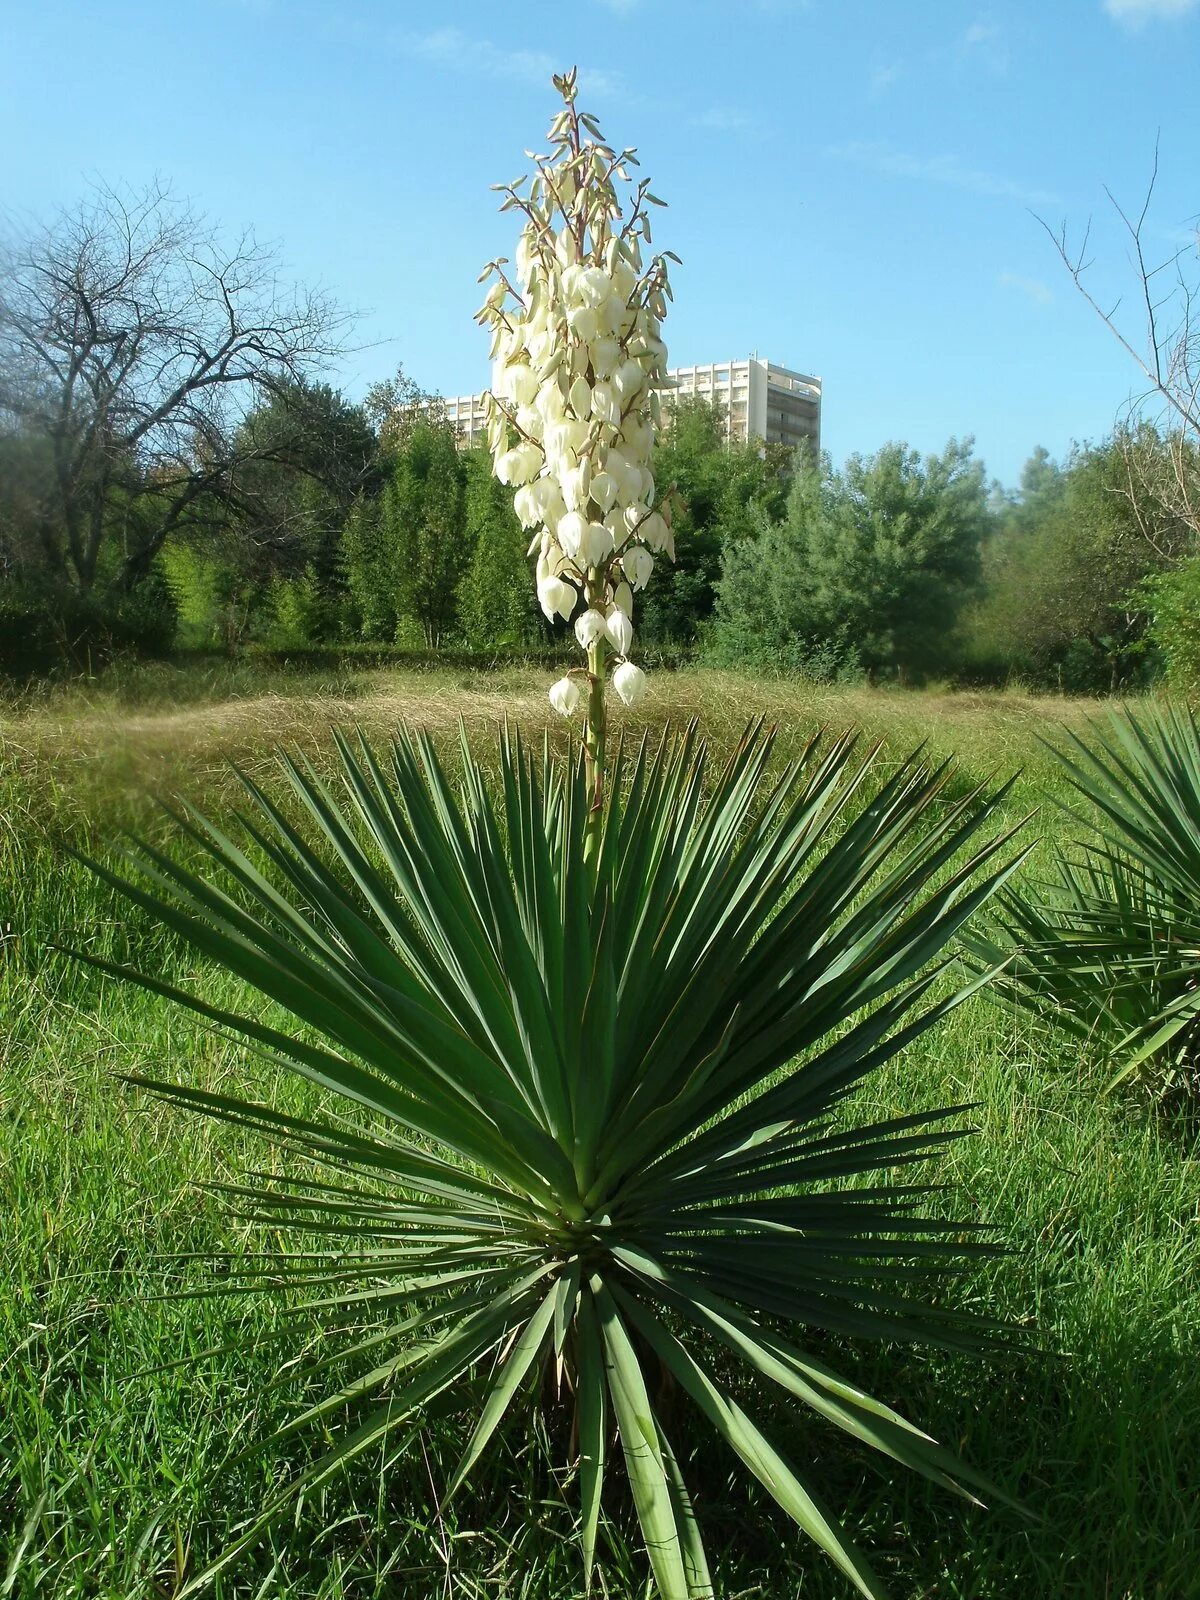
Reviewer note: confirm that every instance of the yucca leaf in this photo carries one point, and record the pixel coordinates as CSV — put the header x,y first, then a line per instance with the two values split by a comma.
x,y
588,1116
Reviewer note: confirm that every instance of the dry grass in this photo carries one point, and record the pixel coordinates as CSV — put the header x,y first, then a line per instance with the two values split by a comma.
x,y
77,746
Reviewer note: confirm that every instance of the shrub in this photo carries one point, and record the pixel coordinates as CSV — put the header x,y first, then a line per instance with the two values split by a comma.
x,y
585,1142
1174,601
1109,945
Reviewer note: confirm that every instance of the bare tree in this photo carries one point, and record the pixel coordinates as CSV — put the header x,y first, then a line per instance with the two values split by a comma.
x,y
133,342
1162,461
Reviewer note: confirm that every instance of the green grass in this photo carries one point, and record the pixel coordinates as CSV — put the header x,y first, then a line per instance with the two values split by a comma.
x,y
116,1480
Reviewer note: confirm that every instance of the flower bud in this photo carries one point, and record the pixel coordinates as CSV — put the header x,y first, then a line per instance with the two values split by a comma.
x,y
564,696
629,682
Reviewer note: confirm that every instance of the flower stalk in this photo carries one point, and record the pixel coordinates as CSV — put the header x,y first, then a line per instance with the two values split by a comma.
x,y
577,365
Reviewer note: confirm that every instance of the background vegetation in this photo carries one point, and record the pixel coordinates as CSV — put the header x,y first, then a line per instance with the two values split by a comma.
x,y
177,474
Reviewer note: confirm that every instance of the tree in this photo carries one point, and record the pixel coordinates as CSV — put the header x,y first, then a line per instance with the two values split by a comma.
x,y
424,529
133,342
404,554
1167,353
721,488
871,565
497,604
395,406
1064,572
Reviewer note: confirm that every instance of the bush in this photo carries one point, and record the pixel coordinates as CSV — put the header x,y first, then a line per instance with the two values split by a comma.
x,y
1174,602
584,1109
43,626
1109,945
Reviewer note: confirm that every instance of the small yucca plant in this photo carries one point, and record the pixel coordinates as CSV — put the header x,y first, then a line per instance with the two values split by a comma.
x,y
1108,945
587,1135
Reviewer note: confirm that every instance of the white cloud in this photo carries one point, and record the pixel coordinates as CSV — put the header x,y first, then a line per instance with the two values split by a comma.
x,y
453,47
946,170
721,120
984,44
1133,13
883,78
1032,288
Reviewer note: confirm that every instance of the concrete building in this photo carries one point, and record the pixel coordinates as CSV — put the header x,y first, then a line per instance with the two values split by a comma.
x,y
759,400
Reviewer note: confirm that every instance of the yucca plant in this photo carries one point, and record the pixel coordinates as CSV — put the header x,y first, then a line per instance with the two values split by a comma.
x,y
585,1137
1109,943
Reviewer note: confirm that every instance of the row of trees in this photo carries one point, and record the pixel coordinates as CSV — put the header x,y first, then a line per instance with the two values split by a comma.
x,y
174,471
1082,579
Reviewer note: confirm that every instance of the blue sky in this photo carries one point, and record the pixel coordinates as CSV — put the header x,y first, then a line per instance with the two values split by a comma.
x,y
851,182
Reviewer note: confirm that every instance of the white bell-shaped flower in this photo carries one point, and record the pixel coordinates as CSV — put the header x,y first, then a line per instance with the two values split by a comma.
x,y
596,544
637,564
629,682
582,320
571,529
564,696
526,507
575,483
654,531
605,405
606,353
557,598
508,466
628,379
590,627
604,490
595,286
619,630
580,398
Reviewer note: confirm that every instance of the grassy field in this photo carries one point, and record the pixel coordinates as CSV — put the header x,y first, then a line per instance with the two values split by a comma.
x,y
119,1480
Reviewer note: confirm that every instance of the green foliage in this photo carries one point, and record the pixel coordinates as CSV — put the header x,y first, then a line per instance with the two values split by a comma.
x,y
1110,945
300,614
44,626
869,567
568,1133
496,599
403,555
1173,601
1062,569
723,490
215,600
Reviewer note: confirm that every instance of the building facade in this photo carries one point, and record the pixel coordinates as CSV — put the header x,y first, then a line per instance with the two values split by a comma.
x,y
758,399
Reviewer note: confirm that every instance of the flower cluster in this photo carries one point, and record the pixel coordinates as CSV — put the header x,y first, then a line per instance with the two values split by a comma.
x,y
577,358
